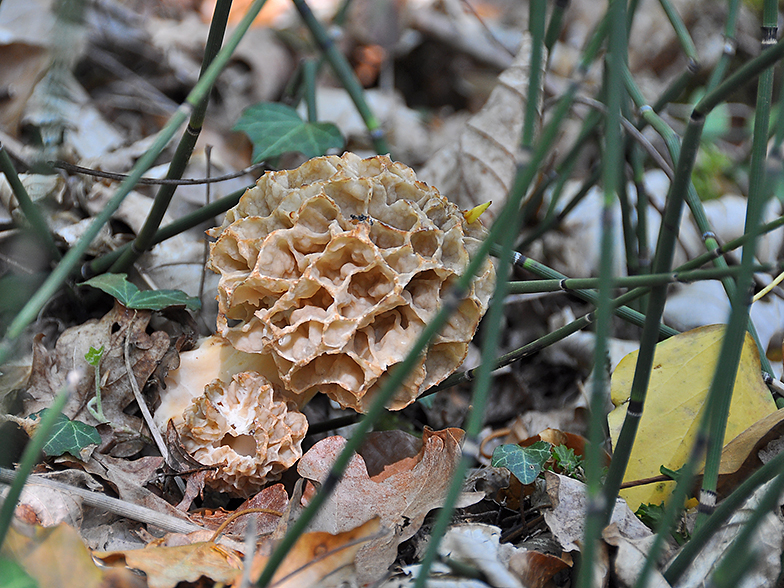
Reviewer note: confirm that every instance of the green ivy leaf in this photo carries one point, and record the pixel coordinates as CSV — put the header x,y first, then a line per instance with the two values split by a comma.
x,y
651,515
275,129
130,296
69,436
524,462
565,458
93,356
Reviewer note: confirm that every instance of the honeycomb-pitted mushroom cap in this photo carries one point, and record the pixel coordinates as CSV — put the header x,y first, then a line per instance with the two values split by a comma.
x,y
247,429
335,268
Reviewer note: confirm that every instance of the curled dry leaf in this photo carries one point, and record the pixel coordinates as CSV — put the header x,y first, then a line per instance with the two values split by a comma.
x,y
335,268
479,546
482,166
567,517
401,480
767,541
536,569
630,558
272,498
319,559
46,506
740,457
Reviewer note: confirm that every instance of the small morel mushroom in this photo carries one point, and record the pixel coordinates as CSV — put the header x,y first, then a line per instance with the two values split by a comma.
x,y
213,359
335,268
247,428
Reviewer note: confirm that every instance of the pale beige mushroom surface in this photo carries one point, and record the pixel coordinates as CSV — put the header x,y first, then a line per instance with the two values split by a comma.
x,y
247,428
334,268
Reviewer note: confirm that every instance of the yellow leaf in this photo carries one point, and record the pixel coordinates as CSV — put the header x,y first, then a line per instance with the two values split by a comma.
x,y
682,371
474,214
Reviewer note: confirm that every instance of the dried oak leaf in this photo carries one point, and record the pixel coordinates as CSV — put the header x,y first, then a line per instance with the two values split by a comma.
x,y
335,268
168,566
129,479
50,368
272,498
318,559
397,477
57,558
567,517
482,165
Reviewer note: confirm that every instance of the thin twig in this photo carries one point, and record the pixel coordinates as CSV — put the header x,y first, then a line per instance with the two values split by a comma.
x,y
634,133
250,551
139,398
208,173
78,169
114,505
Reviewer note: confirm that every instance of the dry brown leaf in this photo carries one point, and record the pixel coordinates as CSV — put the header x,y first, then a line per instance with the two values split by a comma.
x,y
57,558
767,541
273,498
739,457
47,507
51,368
129,479
536,569
317,556
404,480
483,165
168,566
630,558
567,517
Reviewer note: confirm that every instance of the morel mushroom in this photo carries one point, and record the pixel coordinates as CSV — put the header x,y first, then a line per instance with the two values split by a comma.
x,y
247,428
213,359
335,268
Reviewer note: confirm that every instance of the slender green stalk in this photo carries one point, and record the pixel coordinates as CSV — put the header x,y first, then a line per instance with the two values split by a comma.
x,y
555,24
692,199
612,176
184,150
627,314
720,393
730,45
743,546
701,536
569,284
32,451
182,224
553,219
345,74
508,223
309,73
30,210
684,38
662,263
628,230
676,88
536,345
734,573
74,255
675,503
535,72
